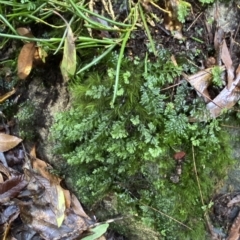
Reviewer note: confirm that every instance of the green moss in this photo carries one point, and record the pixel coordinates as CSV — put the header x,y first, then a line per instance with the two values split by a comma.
x,y
127,151
25,117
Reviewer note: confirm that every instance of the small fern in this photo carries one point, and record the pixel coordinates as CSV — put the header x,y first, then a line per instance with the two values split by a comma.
x,y
183,10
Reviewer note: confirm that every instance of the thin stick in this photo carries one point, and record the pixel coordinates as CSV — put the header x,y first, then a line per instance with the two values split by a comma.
x,y
195,170
164,10
164,214
229,126
194,21
172,86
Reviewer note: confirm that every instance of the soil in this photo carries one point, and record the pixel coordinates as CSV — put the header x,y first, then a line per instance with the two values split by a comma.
x,y
49,94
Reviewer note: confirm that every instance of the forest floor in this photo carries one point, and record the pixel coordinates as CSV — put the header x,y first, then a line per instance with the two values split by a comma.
x,y
209,36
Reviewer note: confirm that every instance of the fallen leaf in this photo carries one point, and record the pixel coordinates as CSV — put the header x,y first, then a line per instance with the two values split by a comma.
x,y
41,218
227,60
53,189
41,167
68,64
227,98
7,213
25,32
234,201
77,207
234,230
5,170
97,232
33,152
25,60
11,188
67,197
218,37
200,81
59,206
8,142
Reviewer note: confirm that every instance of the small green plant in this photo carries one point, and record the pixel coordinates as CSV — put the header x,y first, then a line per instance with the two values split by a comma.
x,y
208,206
206,1
217,79
183,10
127,151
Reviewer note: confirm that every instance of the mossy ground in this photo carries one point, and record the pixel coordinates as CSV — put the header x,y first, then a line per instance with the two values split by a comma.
x,y
121,157
124,155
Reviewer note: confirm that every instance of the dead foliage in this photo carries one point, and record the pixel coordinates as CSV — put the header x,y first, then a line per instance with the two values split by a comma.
x,y
201,80
33,204
28,55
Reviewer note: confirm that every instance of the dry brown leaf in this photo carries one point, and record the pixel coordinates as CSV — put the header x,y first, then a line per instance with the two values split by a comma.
x,y
8,142
54,191
218,37
33,152
25,32
234,230
5,170
227,60
77,207
41,168
1,178
233,201
25,60
225,55
227,98
200,81
67,197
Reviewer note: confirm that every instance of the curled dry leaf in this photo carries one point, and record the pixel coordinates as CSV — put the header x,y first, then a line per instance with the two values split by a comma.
x,y
200,81
233,201
77,207
41,219
227,98
33,152
67,197
11,188
227,60
54,191
5,170
41,168
8,142
25,32
25,60
28,54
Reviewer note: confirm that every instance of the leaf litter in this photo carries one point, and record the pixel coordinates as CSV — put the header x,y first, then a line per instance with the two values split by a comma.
x,y
69,62
40,182
35,197
201,80
28,55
